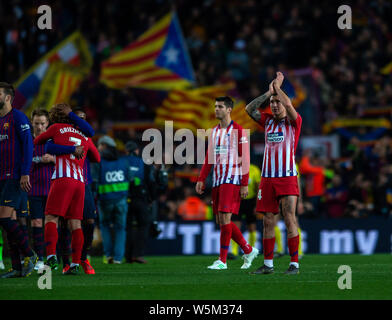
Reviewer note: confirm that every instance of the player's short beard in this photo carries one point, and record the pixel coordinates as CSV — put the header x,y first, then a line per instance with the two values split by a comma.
x,y
2,103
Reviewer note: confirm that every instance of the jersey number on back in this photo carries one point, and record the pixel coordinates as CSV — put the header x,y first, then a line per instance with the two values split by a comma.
x,y
77,142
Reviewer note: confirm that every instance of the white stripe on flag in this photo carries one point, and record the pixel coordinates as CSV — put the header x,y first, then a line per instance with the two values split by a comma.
x,y
68,52
41,70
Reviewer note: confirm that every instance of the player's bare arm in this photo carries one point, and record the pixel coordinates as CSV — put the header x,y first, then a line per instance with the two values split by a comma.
x,y
291,113
254,105
200,187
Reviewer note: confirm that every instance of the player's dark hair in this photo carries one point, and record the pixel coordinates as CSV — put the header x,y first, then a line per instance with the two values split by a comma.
x,y
227,101
56,114
8,89
78,109
40,112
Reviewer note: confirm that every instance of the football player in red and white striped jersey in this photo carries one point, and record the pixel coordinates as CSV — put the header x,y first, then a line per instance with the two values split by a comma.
x,y
279,183
67,190
228,155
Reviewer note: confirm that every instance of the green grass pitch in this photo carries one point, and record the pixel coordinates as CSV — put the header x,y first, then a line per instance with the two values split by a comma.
x,y
186,278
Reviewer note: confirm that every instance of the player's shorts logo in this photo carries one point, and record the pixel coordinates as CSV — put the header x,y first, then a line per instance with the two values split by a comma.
x,y
275,137
259,196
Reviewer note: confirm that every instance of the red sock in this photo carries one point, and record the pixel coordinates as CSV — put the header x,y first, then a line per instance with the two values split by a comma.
x,y
50,237
77,245
268,248
225,237
239,238
293,248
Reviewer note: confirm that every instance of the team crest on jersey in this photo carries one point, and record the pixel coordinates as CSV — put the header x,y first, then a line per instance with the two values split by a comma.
x,y
6,126
275,137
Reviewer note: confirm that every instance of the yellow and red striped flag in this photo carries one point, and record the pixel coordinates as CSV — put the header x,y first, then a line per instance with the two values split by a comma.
x,y
55,76
157,60
58,85
195,109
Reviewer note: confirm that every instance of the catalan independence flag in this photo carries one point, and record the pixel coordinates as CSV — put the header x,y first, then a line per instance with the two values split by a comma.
x,y
157,60
55,76
195,109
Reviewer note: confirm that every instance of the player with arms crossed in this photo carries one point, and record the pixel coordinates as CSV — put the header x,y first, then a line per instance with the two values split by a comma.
x,y
279,183
228,155
66,194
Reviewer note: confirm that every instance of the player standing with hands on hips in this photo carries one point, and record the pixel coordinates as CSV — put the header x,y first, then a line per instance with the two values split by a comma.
x,y
228,155
279,183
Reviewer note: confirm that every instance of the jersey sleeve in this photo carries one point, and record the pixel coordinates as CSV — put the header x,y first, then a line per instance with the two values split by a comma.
x,y
83,125
263,119
244,154
208,162
297,123
58,149
45,136
23,129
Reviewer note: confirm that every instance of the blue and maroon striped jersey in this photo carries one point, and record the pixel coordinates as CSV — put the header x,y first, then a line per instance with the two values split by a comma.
x,y
41,173
16,145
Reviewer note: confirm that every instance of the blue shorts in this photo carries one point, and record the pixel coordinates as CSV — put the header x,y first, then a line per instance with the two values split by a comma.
x,y
37,206
89,210
10,193
22,211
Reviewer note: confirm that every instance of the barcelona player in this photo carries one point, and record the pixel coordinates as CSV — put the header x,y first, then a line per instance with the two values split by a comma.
x,y
16,149
40,177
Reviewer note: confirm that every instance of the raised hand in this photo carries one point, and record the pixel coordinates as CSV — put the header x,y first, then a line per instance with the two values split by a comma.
x,y
271,88
79,152
279,79
46,158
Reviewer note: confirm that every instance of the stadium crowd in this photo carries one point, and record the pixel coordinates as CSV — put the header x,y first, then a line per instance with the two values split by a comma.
x,y
227,42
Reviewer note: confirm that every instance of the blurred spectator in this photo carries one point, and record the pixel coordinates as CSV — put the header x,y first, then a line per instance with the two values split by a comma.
x,y
383,195
192,208
336,198
314,176
360,198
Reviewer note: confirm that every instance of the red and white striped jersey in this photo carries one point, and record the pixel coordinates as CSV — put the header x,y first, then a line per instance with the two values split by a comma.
x,y
66,169
67,166
281,140
228,154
